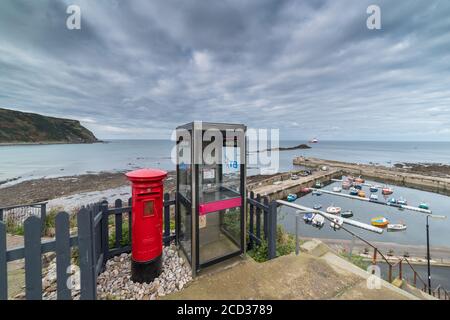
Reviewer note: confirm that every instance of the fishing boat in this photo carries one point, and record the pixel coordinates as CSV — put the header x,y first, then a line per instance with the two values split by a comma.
x,y
392,201
291,197
336,223
313,140
317,207
317,192
374,196
308,217
424,206
373,189
337,189
396,227
354,191
357,186
347,214
402,201
379,222
295,177
387,191
318,184
334,210
305,190
361,194
318,221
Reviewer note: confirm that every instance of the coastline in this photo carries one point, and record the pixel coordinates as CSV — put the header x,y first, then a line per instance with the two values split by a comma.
x,y
45,143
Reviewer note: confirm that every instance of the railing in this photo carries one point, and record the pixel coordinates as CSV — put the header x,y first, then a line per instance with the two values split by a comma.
x,y
260,208
16,215
92,241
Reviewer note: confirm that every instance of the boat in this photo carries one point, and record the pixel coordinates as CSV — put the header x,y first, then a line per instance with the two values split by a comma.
x,y
318,221
396,227
305,190
337,189
424,206
379,222
357,186
374,196
308,217
402,201
346,185
295,177
353,191
361,194
317,207
373,189
347,214
387,191
359,180
318,184
291,197
392,201
317,192
334,210
314,141
336,223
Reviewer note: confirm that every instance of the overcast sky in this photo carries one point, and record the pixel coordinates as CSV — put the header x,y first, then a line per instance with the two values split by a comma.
x,y
137,69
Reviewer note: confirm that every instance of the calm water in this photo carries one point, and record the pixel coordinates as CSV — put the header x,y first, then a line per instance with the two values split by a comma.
x,y
364,211
39,161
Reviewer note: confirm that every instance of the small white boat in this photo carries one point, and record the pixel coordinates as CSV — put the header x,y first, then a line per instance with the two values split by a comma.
x,y
318,221
396,227
373,196
402,201
347,214
317,207
334,210
295,177
317,192
337,189
337,223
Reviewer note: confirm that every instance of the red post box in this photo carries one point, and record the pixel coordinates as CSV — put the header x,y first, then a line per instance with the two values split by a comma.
x,y
146,223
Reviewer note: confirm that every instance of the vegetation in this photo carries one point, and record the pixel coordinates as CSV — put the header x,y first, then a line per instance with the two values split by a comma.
x,y
285,245
14,228
21,127
125,235
356,260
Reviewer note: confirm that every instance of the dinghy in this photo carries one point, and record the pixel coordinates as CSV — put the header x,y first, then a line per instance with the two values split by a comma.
x,y
424,206
396,227
402,201
373,189
318,221
379,222
337,189
317,207
347,214
317,192
333,210
387,191
308,217
291,197
336,223
374,197
361,194
353,191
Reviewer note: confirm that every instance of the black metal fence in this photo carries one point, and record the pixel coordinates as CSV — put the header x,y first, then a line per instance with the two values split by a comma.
x,y
262,216
94,242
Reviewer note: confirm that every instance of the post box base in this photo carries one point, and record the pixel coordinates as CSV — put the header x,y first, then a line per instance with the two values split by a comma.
x,y
146,271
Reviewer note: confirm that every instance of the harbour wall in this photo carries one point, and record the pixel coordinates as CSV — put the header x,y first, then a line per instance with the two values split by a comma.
x,y
381,174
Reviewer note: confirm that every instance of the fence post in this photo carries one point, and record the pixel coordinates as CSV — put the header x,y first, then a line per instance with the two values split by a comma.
x,y
400,271
272,239
1,215
105,235
252,217
374,261
63,255
390,273
87,261
33,258
266,218
130,215
258,221
166,220
118,219
297,242
43,216
3,263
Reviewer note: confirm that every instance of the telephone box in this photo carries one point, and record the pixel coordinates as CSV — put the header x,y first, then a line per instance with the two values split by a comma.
x,y
147,223
211,193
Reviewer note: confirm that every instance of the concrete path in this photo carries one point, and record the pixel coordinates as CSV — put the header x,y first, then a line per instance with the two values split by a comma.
x,y
318,274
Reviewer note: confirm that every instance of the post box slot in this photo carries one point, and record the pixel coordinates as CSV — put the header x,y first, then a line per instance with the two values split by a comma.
x,y
147,194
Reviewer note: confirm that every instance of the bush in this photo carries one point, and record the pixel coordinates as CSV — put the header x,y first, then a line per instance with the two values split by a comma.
x,y
285,246
125,236
13,227
356,260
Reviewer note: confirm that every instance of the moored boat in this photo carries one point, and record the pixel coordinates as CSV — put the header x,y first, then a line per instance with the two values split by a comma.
x,y
308,217
347,214
318,185
396,227
402,201
317,207
317,192
346,185
334,210
373,189
318,221
357,186
387,191
374,196
337,189
379,222
336,223
354,191
424,206
359,180
291,197
361,194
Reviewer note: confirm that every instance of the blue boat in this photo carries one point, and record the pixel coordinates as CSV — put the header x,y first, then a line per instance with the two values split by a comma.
x,y
317,207
358,186
424,206
392,201
308,217
373,189
353,191
291,197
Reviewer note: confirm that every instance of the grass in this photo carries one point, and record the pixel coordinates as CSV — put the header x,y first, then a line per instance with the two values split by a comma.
x,y
356,260
285,246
